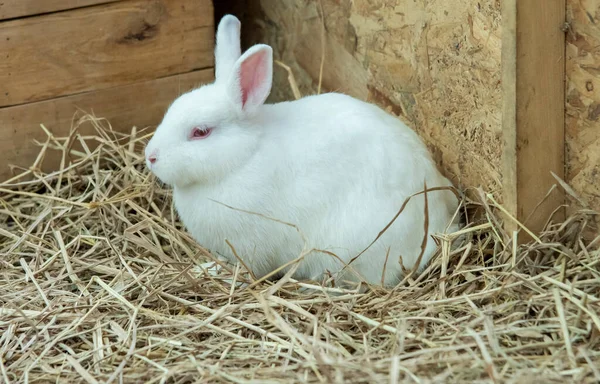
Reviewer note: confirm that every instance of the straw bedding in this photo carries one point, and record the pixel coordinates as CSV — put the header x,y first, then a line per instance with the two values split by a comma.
x,y
99,283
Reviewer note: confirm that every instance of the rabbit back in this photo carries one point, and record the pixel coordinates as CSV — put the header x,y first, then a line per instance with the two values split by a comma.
x,y
329,174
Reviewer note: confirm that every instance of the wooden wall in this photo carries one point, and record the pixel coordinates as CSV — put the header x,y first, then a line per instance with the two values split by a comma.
x,y
443,68
437,65
122,60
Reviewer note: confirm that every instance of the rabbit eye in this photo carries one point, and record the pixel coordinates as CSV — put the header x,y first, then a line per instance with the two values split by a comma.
x,y
200,133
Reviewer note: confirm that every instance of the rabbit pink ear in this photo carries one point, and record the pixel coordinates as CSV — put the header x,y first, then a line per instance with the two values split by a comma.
x,y
253,74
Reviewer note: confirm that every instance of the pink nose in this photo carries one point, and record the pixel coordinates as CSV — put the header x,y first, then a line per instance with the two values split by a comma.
x,y
153,157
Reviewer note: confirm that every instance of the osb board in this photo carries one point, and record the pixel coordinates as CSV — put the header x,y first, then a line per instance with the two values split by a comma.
x,y
18,8
103,46
434,63
141,104
583,99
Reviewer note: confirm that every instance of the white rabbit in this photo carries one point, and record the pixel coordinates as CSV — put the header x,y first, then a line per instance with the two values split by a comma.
x,y
337,168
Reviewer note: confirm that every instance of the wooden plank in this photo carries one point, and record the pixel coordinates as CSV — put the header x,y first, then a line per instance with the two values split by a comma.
x,y
10,9
534,128
103,46
509,109
141,104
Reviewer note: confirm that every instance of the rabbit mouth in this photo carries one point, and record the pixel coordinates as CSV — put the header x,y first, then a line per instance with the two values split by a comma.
x,y
154,173
160,182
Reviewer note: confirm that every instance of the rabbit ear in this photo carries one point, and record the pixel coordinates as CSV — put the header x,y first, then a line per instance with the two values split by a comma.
x,y
250,82
227,49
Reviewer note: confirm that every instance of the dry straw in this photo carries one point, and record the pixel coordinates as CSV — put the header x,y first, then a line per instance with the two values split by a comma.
x,y
99,284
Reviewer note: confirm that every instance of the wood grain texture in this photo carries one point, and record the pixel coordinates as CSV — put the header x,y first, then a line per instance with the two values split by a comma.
x,y
509,109
538,135
142,104
18,8
103,46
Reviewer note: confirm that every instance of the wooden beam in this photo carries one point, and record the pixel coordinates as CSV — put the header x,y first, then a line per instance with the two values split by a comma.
x,y
533,65
10,9
141,104
102,46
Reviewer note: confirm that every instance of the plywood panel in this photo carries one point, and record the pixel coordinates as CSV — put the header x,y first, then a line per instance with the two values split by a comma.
x,y
102,46
141,104
18,8
534,62
583,99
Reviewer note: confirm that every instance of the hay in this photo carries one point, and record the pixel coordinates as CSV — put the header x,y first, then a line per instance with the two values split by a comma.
x,y
99,283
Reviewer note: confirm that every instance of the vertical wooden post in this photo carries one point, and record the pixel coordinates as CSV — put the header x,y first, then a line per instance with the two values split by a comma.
x,y
533,76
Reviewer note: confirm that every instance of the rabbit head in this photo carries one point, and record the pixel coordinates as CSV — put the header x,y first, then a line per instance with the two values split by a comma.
x,y
209,132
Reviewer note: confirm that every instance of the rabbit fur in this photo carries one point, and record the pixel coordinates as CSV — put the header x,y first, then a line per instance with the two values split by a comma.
x,y
323,173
